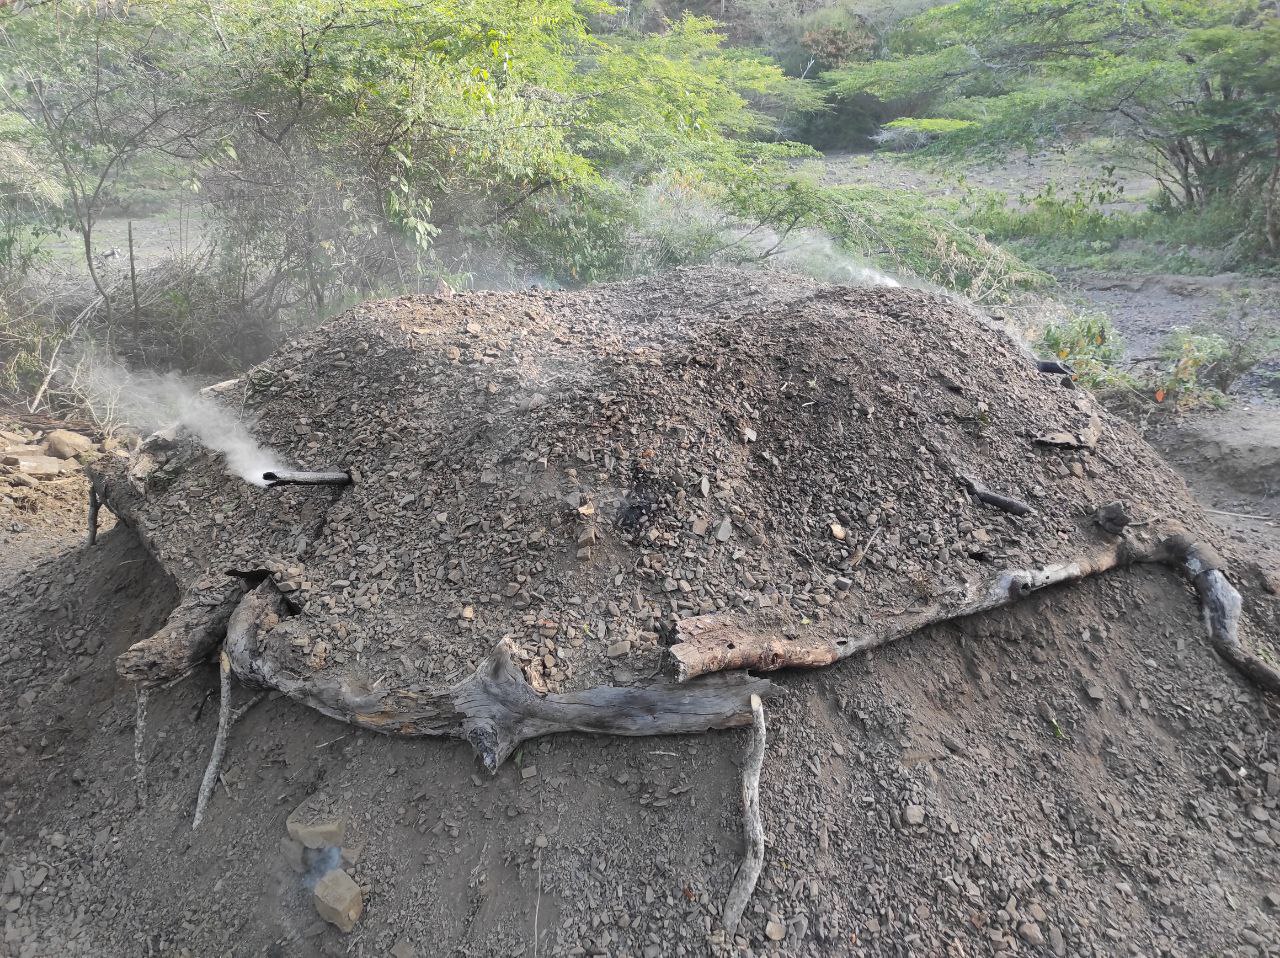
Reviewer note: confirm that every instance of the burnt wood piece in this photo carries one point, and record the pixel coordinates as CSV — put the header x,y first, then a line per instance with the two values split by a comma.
x,y
287,477
704,646
494,708
1004,503
1054,366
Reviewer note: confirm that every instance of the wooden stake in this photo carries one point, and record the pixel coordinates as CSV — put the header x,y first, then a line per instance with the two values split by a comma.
x,y
219,742
133,280
744,881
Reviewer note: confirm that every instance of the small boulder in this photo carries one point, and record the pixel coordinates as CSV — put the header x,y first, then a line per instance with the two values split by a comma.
x,y
318,822
338,899
65,444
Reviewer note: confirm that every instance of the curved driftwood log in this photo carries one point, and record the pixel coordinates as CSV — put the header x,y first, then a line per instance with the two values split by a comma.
x,y
707,644
191,635
748,873
494,708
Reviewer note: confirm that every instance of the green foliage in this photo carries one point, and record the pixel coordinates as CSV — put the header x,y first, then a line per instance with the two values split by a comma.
x,y
1195,366
1190,89
1090,344
338,150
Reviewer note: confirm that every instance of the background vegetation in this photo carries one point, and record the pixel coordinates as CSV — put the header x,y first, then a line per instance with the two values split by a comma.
x,y
323,151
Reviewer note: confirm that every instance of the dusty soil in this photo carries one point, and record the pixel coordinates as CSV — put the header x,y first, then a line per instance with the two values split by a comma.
x,y
1091,780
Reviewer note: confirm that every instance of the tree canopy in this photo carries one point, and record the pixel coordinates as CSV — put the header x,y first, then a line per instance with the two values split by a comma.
x,y
1190,87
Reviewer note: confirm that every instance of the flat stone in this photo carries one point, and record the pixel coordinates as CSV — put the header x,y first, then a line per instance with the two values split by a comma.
x,y
65,444
619,648
37,464
913,815
775,930
1030,932
724,530
338,899
318,822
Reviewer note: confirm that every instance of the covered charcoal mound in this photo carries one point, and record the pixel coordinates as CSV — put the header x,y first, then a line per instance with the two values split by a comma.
x,y
578,493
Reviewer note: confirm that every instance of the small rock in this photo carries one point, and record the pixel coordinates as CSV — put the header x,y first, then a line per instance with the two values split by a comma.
x,y
317,822
1029,932
402,949
619,648
338,899
724,530
913,815
1094,691
65,444
837,531
775,930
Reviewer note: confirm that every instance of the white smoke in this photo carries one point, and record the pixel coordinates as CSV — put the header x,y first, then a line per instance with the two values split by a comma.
x,y
147,402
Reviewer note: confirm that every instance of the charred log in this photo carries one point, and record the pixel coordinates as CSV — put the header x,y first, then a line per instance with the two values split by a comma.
x,y
191,635
285,477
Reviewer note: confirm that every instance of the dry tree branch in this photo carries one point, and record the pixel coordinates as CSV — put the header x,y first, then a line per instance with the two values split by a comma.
x,y
219,742
744,881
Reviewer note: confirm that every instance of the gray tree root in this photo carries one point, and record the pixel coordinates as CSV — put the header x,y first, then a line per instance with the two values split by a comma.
x,y
744,880
139,746
494,708
191,635
95,504
210,780
708,644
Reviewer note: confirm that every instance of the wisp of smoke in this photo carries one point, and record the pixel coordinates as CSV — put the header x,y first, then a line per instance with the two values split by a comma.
x,y
150,402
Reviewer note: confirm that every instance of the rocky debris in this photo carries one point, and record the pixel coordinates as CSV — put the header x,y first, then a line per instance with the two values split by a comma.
x,y
578,471
338,899
319,822
36,464
65,444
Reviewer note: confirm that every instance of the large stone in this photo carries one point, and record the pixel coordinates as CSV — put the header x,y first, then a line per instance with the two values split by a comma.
x,y
338,899
65,444
36,464
318,822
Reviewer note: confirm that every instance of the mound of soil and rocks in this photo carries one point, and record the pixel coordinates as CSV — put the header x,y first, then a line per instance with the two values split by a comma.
x,y
575,471
575,475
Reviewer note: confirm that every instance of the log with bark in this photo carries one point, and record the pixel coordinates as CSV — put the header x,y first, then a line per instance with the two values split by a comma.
x,y
190,636
708,644
494,708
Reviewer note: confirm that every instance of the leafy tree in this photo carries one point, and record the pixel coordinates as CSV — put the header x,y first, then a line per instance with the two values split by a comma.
x,y
339,145
1190,87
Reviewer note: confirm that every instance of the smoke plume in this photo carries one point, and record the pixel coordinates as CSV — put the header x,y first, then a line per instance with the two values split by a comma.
x,y
149,402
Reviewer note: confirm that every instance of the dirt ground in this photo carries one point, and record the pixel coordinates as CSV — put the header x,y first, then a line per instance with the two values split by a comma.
x,y
1086,776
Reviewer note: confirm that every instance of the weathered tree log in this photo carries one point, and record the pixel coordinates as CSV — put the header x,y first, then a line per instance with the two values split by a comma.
x,y
748,873
706,644
190,636
494,708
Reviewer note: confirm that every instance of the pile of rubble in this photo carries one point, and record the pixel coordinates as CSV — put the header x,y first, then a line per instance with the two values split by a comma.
x,y
577,472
